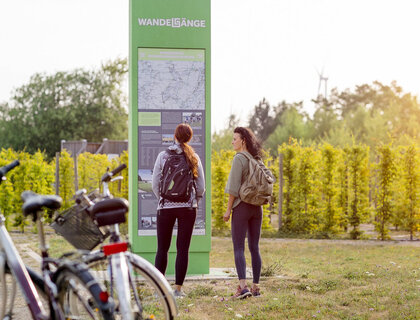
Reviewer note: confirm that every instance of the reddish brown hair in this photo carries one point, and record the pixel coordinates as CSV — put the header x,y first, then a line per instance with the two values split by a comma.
x,y
183,134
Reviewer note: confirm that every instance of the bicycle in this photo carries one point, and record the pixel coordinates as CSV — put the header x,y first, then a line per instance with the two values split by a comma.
x,y
87,300
139,290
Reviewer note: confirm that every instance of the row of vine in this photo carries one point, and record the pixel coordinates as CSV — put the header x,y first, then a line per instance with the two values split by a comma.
x,y
332,190
325,189
38,174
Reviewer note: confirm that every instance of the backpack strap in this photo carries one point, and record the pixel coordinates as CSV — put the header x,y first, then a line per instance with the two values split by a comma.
x,y
172,152
247,155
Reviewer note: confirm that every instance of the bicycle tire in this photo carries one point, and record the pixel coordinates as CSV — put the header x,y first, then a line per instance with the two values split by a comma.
x,y
79,293
154,293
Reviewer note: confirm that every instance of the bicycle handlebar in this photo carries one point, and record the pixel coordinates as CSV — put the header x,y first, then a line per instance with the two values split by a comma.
x,y
108,175
7,168
118,169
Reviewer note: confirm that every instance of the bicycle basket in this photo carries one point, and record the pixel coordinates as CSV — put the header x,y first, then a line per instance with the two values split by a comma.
x,y
76,226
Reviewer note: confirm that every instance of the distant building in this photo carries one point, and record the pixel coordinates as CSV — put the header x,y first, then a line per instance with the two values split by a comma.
x,y
112,148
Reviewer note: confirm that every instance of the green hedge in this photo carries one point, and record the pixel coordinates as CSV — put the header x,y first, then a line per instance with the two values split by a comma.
x,y
325,189
329,190
36,173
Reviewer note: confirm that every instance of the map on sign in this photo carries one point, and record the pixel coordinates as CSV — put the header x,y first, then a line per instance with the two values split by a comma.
x,y
171,79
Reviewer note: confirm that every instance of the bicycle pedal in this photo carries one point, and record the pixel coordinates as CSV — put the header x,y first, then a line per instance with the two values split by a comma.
x,y
91,303
8,316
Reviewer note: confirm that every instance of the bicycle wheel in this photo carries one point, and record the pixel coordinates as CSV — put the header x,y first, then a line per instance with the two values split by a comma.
x,y
79,294
152,296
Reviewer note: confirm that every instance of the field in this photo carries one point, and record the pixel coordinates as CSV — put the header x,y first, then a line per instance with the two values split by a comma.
x,y
316,279
312,279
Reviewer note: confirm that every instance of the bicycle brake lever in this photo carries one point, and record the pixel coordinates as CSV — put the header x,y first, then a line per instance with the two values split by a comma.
x,y
117,178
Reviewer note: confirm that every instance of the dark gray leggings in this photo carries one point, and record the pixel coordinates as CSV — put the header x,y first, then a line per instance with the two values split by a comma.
x,y
247,218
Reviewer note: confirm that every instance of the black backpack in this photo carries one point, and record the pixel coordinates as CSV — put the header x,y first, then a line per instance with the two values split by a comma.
x,y
177,180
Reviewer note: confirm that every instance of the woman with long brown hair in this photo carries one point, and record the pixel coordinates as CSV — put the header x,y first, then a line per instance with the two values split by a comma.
x,y
246,217
172,207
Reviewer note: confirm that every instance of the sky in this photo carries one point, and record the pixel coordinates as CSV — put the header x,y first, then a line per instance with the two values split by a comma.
x,y
273,49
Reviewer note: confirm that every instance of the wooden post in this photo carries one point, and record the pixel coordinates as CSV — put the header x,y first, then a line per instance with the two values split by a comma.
x,y
76,181
270,207
57,173
280,189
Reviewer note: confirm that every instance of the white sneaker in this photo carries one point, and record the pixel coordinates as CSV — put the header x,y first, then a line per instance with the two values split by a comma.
x,y
179,294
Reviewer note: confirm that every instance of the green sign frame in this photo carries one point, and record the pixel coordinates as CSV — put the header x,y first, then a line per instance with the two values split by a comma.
x,y
179,25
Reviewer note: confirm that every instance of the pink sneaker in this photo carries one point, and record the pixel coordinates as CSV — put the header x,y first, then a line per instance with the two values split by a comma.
x,y
242,293
255,291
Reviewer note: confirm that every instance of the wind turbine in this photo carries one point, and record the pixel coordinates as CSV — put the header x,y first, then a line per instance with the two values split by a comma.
x,y
324,79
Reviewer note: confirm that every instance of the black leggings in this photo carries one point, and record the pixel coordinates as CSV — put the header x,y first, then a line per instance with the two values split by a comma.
x,y
247,217
165,223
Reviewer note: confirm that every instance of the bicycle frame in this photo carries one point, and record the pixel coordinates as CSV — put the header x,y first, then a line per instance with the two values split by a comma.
x,y
148,268
118,262
50,287
121,262
9,254
10,258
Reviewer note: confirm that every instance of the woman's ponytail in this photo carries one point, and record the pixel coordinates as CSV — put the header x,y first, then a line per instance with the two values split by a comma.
x,y
183,134
191,158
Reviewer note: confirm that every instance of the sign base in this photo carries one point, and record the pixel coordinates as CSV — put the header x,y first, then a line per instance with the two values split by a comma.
x,y
198,262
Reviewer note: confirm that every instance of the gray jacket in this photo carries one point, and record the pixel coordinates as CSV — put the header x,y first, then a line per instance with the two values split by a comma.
x,y
157,172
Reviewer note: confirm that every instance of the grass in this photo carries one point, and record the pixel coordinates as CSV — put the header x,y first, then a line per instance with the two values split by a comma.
x,y
310,279
303,279
316,280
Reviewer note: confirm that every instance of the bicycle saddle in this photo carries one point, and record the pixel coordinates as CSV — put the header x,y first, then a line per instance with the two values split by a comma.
x,y
32,202
109,211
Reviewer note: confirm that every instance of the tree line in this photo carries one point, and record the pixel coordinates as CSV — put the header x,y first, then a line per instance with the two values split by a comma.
x,y
67,105
370,114
92,105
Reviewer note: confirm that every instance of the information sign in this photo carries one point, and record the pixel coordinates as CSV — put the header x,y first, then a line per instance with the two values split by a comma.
x,y
169,67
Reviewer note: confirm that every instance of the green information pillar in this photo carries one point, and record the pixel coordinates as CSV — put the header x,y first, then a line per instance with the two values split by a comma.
x,y
169,75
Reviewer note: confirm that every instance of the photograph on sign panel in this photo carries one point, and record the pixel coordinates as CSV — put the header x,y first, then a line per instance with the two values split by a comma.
x,y
145,180
194,119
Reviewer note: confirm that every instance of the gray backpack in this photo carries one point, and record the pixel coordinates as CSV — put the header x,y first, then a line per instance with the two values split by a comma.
x,y
258,185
